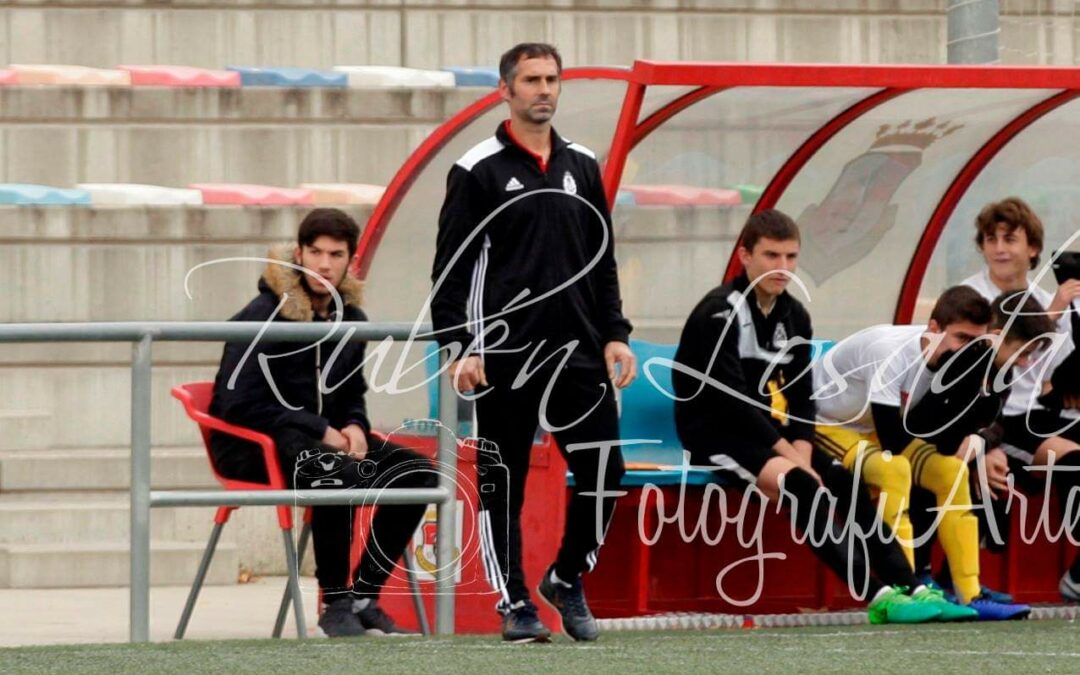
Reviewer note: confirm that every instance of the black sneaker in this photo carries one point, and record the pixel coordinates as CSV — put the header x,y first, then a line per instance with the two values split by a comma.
x,y
578,621
377,622
338,619
521,624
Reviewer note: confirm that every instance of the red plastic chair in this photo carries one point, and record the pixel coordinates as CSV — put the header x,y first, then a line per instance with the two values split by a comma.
x,y
196,397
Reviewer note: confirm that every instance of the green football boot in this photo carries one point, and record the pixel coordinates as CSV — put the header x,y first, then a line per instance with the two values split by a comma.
x,y
893,606
950,611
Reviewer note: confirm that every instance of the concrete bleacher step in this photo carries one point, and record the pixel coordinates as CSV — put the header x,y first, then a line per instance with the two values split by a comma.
x,y
71,522
176,136
100,469
25,429
107,564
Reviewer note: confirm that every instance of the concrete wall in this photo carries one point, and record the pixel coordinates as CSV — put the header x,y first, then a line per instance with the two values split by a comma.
x,y
63,136
419,33
423,34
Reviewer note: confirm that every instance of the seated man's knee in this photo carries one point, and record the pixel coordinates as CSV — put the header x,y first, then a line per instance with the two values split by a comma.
x,y
407,469
895,473
425,472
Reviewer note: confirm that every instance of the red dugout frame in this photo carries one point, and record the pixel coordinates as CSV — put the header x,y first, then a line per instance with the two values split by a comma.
x,y
710,78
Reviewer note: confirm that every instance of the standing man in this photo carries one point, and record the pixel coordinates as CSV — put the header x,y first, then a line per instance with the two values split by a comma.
x,y
526,299
312,405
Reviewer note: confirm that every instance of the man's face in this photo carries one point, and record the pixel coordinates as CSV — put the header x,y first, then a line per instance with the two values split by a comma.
x,y
327,257
1022,352
1008,254
953,337
770,263
534,93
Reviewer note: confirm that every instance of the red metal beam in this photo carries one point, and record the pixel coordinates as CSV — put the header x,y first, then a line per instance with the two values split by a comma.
x,y
909,293
650,123
622,141
628,133
810,147
422,156
876,76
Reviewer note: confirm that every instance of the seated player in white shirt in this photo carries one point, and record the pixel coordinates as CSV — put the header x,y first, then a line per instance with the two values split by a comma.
x,y
863,387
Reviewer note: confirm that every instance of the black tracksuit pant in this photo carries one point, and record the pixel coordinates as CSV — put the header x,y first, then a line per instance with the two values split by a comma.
x,y
583,400
307,463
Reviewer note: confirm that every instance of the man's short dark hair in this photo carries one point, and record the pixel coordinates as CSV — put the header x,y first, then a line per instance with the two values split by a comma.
x,y
1015,214
333,223
961,303
768,224
1025,317
530,50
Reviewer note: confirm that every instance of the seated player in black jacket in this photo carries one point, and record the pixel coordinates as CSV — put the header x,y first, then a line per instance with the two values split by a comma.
x,y
312,405
744,343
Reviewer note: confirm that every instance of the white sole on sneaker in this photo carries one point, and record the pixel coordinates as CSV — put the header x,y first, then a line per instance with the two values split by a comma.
x,y
1069,589
540,639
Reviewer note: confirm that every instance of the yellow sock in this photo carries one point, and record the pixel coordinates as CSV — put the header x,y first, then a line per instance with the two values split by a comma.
x,y
947,478
891,475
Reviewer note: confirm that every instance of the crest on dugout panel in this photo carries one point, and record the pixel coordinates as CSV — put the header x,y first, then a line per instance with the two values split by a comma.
x,y
858,210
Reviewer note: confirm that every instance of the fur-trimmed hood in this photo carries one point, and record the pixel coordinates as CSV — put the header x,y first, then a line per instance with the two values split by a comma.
x,y
286,280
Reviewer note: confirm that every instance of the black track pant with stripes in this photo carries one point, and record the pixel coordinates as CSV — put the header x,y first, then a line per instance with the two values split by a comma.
x,y
581,412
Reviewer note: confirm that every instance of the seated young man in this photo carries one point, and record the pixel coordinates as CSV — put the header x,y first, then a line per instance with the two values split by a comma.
x,y
321,429
962,417
1009,236
862,387
742,340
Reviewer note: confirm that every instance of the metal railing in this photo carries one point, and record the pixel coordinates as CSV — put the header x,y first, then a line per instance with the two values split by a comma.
x,y
143,335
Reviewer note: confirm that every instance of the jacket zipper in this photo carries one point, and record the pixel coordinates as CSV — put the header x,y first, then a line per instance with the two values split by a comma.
x,y
318,379
485,252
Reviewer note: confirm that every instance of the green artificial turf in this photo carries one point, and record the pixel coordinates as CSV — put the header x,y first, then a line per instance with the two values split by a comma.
x,y
1019,647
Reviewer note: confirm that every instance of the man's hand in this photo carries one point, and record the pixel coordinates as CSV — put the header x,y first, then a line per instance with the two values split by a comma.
x,y
804,449
335,439
468,373
357,441
619,354
1066,293
997,471
799,453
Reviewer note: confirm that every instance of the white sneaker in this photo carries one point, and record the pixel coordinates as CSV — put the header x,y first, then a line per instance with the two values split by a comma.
x,y
1069,589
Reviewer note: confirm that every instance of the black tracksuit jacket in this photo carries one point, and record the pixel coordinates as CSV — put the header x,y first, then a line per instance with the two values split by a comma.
x,y
530,247
744,358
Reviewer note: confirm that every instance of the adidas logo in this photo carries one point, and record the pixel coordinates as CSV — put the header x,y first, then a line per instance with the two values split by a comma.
x,y
514,184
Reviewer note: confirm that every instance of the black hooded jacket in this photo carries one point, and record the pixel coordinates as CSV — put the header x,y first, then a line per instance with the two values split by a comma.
x,y
251,401
532,246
